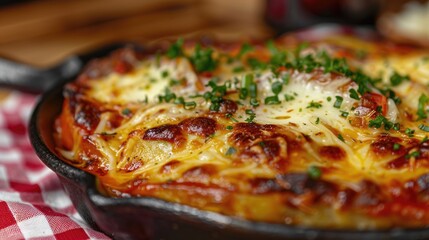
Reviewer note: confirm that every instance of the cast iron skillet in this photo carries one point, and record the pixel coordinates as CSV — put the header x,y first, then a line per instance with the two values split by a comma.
x,y
149,218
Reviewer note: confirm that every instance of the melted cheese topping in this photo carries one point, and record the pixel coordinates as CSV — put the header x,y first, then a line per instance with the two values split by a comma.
x,y
147,82
318,123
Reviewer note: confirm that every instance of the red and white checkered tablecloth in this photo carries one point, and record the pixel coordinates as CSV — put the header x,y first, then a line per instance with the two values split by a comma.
x,y
33,204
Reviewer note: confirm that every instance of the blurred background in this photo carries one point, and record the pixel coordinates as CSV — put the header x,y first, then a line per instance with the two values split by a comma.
x,y
42,32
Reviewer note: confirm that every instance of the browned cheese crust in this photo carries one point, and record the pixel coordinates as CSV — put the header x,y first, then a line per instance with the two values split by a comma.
x,y
331,134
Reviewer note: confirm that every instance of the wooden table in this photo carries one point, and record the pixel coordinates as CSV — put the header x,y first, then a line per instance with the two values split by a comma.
x,y
45,31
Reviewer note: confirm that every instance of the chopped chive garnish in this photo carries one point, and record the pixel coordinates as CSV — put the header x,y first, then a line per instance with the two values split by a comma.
x,y
253,90
379,109
276,87
338,102
145,100
286,78
354,94
214,107
289,97
397,79
314,104
424,127
207,95
175,50
179,100
409,132
278,57
421,107
251,117
396,146
396,126
413,154
341,137
126,111
229,115
314,172
167,97
242,93
379,121
245,48
164,74
230,151
186,105
202,59
190,105
255,64
254,102
247,80
272,100
173,82
390,94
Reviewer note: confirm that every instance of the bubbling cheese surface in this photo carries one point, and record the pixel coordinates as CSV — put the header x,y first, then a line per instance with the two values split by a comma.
x,y
237,129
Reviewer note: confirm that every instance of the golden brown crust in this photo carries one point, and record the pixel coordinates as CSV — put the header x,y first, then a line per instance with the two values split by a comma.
x,y
207,144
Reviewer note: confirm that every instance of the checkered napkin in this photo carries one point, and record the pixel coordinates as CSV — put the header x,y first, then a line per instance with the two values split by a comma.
x,y
33,204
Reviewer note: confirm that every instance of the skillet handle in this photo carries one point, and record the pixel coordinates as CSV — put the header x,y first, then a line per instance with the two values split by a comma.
x,y
37,80
31,79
